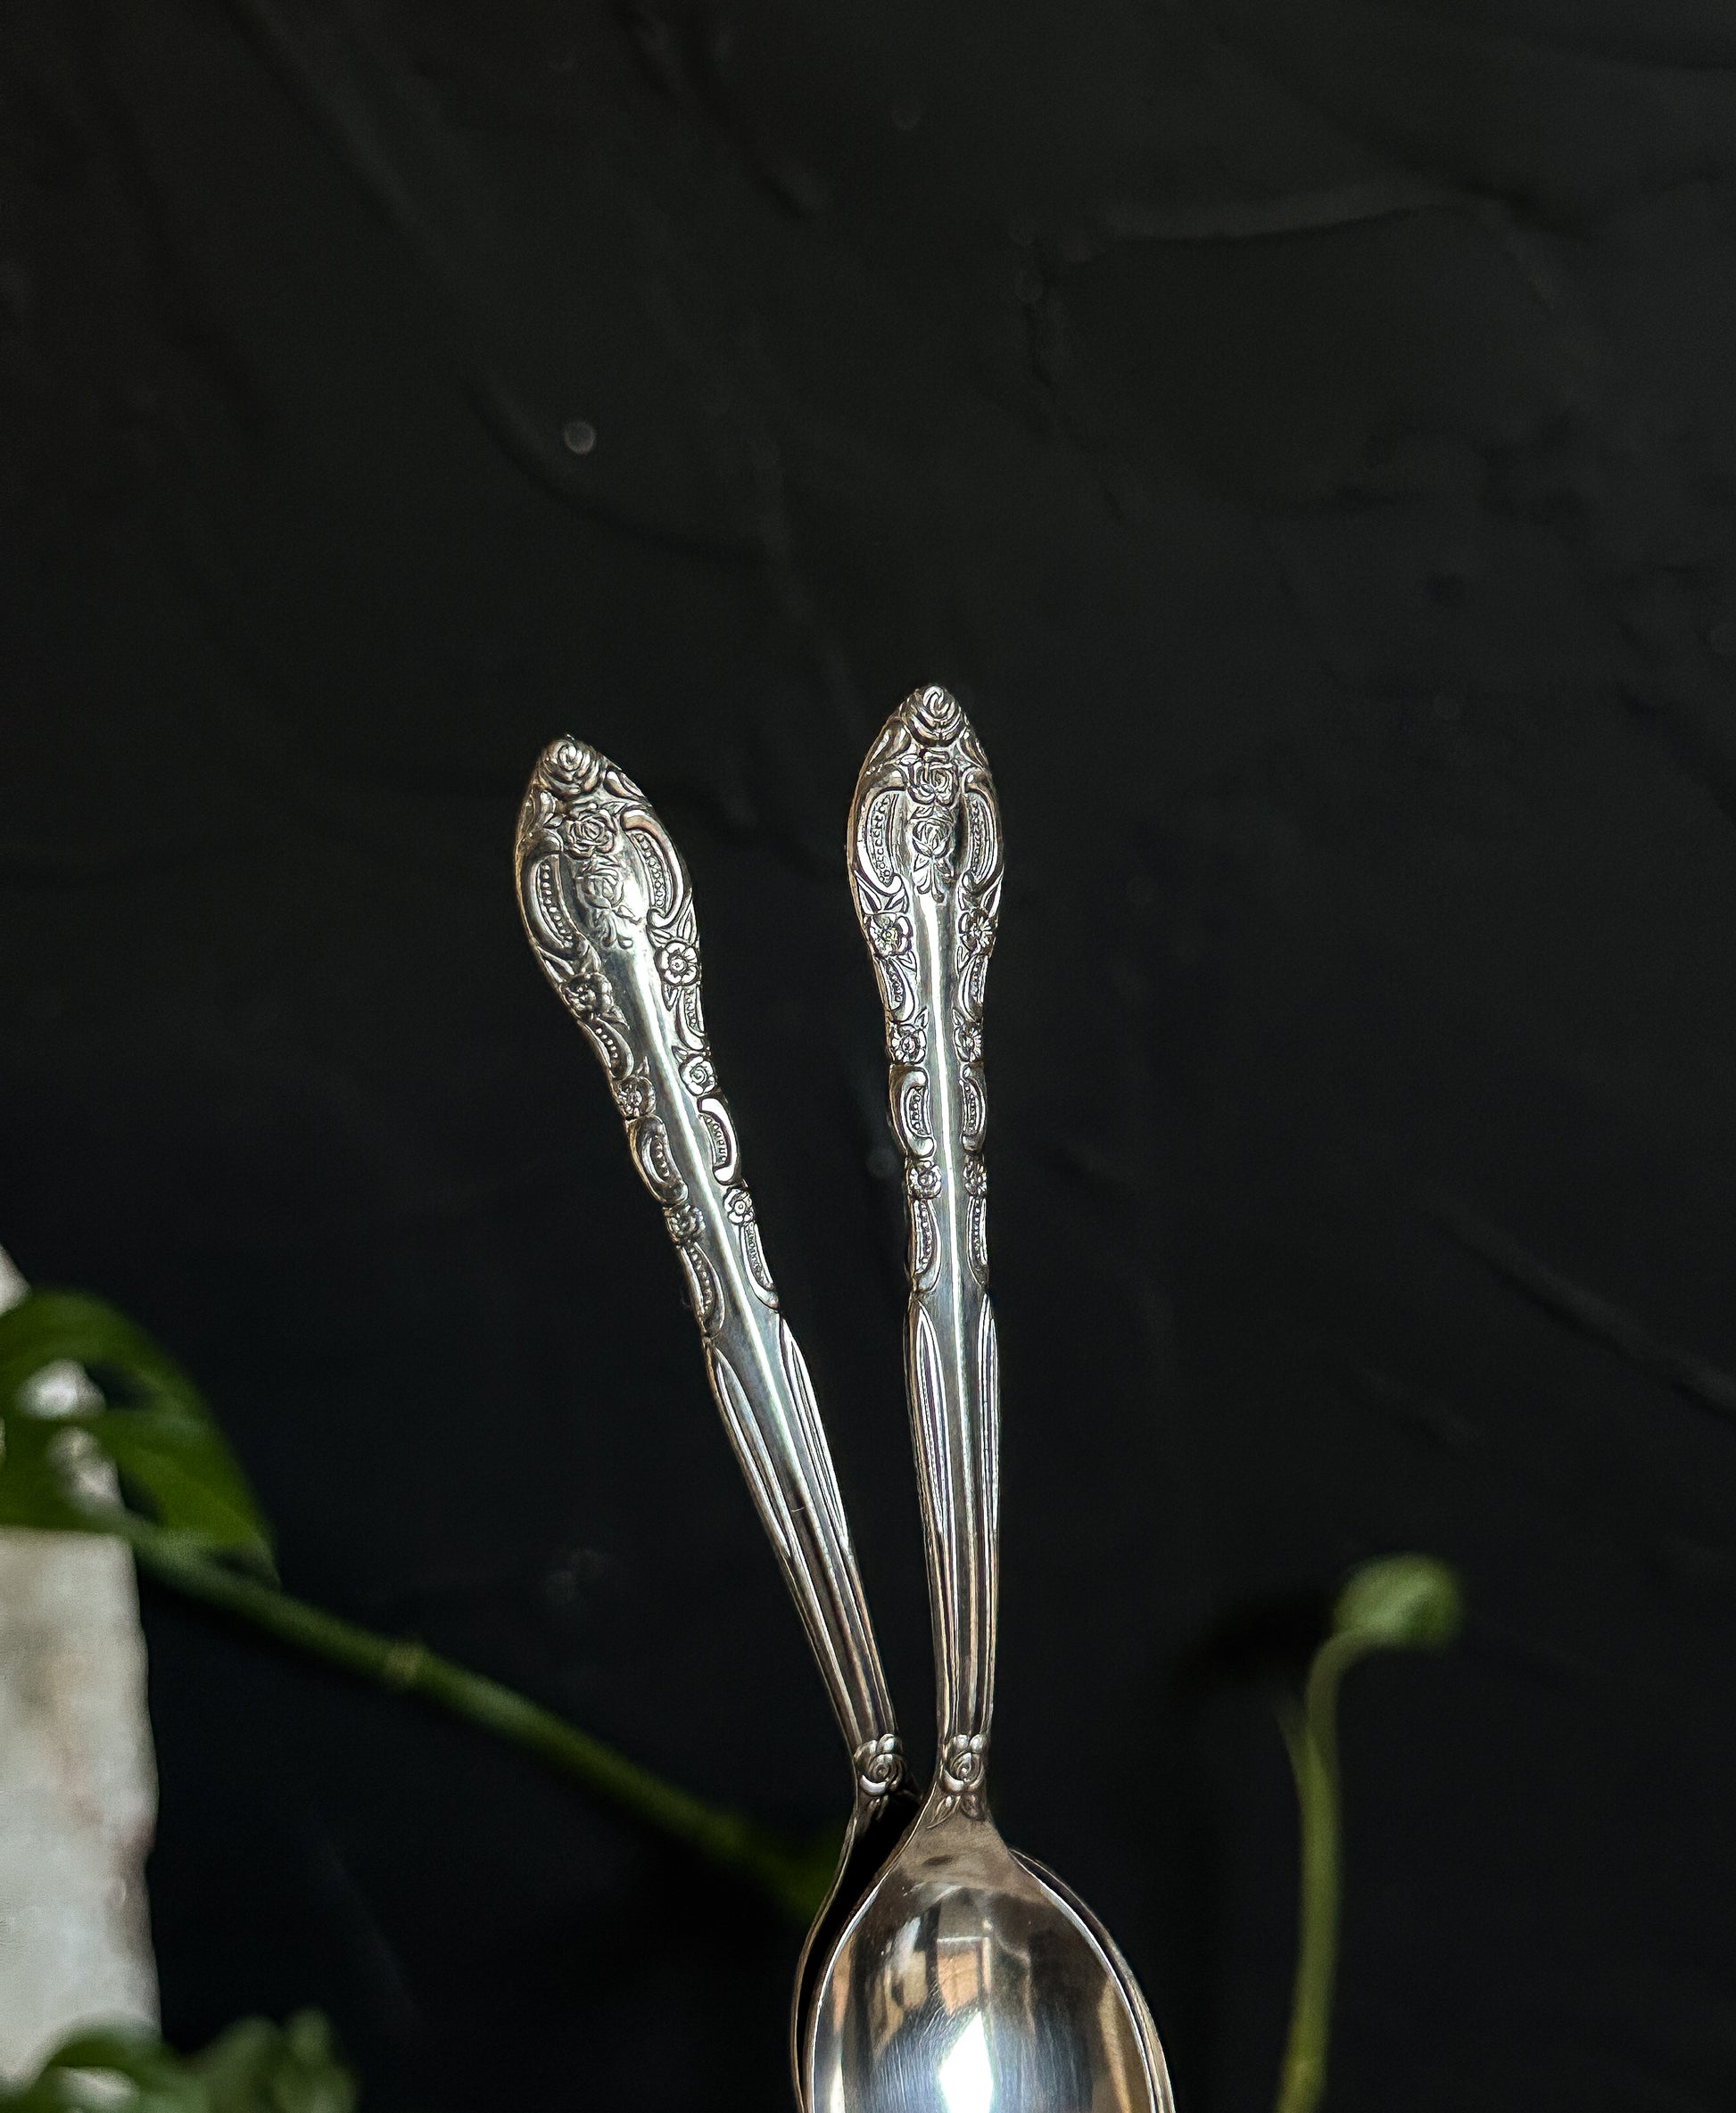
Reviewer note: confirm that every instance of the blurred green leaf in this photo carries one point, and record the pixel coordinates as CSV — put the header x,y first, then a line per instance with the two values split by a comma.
x,y
125,2069
254,2068
35,1478
160,1436
1400,1603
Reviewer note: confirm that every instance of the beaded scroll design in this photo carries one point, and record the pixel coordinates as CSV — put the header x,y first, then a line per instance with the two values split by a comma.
x,y
926,808
926,824
607,907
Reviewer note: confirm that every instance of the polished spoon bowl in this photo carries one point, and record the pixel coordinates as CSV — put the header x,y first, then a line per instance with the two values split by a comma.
x,y
966,1980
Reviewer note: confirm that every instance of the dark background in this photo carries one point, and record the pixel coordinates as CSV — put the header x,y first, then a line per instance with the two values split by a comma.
x,y
1306,439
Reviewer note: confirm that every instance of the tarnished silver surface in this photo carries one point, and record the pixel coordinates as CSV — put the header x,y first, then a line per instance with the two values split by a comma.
x,y
966,1980
608,910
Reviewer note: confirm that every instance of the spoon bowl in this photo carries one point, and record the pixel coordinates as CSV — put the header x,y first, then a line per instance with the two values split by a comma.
x,y
968,1982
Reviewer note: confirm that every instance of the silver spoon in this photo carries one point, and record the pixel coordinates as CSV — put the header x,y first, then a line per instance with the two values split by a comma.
x,y
608,910
967,1980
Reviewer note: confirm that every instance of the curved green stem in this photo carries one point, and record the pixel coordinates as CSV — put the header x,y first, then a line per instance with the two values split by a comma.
x,y
795,1878
1311,1735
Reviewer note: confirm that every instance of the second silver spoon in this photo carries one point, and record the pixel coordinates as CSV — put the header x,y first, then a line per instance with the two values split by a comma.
x,y
968,1980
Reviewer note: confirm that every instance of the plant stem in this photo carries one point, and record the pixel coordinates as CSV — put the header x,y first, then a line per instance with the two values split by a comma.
x,y
795,1878
1312,1737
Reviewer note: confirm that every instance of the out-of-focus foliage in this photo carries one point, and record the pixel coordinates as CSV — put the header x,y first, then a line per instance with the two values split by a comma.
x,y
149,1424
1400,1603
254,2068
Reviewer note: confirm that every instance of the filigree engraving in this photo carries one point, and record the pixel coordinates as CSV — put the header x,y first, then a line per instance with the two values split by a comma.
x,y
599,878
926,825
925,867
608,909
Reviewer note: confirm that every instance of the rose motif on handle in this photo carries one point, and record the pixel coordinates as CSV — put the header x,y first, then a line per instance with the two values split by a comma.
x,y
907,1042
572,766
932,837
922,1180
587,991
887,934
938,715
880,1763
739,1205
678,963
933,781
963,1757
587,832
976,932
634,1097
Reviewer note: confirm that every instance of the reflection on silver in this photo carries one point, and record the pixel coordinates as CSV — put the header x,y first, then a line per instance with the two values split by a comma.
x,y
967,1985
966,1980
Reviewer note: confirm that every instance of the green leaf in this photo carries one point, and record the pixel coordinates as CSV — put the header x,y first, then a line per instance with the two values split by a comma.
x,y
1400,1603
119,2069
161,1438
189,1474
36,1482
254,2068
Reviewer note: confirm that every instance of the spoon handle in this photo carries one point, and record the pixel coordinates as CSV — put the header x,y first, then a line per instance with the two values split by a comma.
x,y
925,868
608,910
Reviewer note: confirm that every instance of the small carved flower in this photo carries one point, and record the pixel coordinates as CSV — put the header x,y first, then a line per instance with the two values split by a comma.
x,y
879,1762
963,1759
739,1205
571,765
933,781
922,1180
587,831
906,1042
889,936
937,715
976,932
601,886
967,1039
678,963
635,1097
976,1176
699,1076
588,992
931,835
683,1222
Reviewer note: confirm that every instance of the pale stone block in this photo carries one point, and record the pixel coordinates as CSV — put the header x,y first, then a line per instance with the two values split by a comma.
x,y
78,1783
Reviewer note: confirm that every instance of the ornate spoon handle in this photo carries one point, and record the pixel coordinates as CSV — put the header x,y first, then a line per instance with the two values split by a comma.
x,y
608,910
925,866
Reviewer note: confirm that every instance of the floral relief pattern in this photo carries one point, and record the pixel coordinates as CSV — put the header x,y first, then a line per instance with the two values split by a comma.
x,y
598,875
925,825
608,910
925,868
